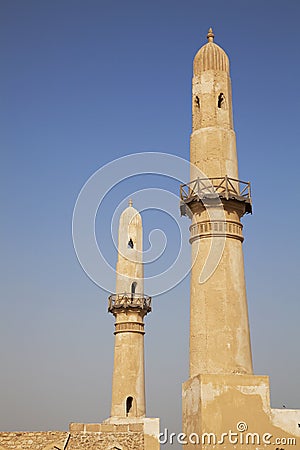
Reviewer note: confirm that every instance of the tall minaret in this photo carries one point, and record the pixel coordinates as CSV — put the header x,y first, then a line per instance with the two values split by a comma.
x,y
224,405
219,330
129,306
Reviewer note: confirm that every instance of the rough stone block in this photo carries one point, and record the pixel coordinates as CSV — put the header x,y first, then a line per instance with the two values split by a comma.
x,y
121,428
136,427
107,428
93,427
73,427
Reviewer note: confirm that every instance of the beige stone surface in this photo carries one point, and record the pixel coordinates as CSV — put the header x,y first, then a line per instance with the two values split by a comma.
x,y
219,329
217,404
127,428
123,433
41,440
123,440
129,373
136,435
129,307
222,395
130,257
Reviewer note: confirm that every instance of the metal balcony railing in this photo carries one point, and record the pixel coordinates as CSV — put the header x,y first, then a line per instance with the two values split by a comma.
x,y
221,187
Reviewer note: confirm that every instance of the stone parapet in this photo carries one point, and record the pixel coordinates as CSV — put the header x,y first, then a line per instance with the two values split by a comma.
x,y
115,433
40,440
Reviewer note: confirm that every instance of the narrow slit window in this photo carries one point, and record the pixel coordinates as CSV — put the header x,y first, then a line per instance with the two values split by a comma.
x,y
221,101
197,101
129,402
130,243
133,287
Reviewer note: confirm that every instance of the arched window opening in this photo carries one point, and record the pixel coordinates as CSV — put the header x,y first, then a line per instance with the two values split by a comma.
x,y
221,101
130,243
129,402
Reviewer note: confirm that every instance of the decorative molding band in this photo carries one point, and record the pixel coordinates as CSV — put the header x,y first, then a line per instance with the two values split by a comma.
x,y
133,327
216,228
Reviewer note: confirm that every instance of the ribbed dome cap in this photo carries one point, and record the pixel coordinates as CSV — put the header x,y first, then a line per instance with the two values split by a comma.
x,y
210,57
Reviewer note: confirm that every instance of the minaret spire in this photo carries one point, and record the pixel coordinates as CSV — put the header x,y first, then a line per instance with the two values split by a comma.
x,y
219,330
221,389
129,305
128,426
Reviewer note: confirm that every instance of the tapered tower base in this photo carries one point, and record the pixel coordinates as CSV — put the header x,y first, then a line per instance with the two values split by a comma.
x,y
233,411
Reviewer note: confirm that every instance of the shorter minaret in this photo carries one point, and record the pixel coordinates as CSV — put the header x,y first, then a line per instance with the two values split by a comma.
x,y
127,427
129,305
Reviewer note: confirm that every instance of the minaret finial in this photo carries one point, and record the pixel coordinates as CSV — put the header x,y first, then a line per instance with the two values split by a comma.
x,y
130,203
210,35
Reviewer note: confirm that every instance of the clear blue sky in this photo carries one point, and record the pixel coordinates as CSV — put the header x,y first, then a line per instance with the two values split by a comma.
x,y
83,83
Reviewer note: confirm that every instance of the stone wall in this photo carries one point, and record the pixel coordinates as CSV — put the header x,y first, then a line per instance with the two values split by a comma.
x,y
82,437
43,440
106,436
125,434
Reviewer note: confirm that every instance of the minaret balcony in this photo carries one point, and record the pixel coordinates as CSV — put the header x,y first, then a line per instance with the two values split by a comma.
x,y
211,188
133,301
